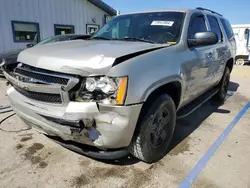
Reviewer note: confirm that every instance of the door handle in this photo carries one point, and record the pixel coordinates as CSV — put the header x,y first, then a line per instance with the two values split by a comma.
x,y
210,55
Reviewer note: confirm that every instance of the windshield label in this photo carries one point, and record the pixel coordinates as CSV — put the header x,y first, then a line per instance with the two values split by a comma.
x,y
163,23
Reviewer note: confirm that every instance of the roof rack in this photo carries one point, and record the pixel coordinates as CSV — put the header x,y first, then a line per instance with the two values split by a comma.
x,y
200,8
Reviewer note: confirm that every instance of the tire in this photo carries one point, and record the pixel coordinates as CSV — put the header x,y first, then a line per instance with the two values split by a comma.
x,y
154,130
220,96
240,62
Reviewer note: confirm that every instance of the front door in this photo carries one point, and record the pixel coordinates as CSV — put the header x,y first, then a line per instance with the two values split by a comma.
x,y
198,68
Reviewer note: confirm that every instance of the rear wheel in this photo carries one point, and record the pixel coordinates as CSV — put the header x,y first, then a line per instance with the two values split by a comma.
x,y
154,130
240,62
223,86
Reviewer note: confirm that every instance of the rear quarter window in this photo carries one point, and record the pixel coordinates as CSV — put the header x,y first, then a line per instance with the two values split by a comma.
x,y
227,27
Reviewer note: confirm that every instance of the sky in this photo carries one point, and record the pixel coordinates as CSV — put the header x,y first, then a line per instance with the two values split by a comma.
x,y
236,11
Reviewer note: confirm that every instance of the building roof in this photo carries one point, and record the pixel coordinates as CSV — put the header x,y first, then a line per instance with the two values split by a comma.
x,y
105,7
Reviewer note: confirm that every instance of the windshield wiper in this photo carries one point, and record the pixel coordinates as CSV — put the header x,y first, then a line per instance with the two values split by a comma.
x,y
99,38
136,39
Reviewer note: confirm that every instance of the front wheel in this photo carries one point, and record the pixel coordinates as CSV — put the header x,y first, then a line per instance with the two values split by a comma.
x,y
154,130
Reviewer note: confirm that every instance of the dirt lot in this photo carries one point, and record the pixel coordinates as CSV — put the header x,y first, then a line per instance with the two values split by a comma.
x,y
29,159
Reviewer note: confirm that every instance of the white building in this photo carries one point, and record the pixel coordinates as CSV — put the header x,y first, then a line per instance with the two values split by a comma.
x,y
23,21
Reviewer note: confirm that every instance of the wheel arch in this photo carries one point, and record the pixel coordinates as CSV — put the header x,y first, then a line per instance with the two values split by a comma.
x,y
241,57
172,88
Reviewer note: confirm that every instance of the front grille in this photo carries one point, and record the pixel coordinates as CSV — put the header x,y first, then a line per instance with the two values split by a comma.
x,y
44,97
29,76
40,76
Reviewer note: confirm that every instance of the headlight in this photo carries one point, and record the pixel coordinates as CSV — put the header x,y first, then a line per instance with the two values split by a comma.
x,y
104,89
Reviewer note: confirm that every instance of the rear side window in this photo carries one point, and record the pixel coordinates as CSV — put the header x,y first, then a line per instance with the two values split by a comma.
x,y
196,25
228,28
215,27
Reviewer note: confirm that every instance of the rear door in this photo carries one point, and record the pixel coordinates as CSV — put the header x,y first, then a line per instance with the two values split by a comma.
x,y
220,52
230,36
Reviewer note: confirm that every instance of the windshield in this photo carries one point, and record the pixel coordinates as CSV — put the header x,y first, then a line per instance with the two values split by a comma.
x,y
55,39
157,27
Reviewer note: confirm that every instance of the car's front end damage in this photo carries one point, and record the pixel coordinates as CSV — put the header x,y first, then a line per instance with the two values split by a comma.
x,y
44,101
84,107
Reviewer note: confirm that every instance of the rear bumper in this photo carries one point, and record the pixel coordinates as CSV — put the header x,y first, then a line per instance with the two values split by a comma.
x,y
102,126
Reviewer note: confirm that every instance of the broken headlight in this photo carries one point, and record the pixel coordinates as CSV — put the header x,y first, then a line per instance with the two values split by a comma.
x,y
103,89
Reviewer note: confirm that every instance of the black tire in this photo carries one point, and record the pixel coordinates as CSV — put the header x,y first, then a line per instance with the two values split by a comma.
x,y
154,130
220,96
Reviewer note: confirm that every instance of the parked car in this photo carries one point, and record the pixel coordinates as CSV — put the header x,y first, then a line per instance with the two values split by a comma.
x,y
11,56
122,90
242,36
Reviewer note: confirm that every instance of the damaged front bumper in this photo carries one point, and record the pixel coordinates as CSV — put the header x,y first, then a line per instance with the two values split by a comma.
x,y
89,123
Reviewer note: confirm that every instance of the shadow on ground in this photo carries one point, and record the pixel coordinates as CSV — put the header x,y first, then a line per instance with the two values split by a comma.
x,y
186,126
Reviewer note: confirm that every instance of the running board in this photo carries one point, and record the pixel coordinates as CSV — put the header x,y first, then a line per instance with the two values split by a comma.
x,y
192,106
4,107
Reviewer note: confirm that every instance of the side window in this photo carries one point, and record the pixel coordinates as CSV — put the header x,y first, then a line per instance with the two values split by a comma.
x,y
228,28
215,27
196,25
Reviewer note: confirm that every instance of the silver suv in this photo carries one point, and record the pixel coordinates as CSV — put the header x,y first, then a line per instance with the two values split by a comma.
x,y
122,90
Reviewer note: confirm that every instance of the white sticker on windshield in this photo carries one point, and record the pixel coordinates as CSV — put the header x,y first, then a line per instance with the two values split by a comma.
x,y
163,23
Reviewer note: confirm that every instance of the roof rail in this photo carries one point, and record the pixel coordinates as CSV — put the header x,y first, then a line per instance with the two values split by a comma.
x,y
200,8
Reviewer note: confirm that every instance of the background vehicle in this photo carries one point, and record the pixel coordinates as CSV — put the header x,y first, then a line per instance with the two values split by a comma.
x,y
123,89
11,56
242,37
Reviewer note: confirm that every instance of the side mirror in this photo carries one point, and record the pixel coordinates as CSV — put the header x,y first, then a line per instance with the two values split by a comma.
x,y
30,45
203,39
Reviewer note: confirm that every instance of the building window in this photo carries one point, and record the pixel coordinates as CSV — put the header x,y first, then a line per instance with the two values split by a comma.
x,y
25,31
91,28
64,29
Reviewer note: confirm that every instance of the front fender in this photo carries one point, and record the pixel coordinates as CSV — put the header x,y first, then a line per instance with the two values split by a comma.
x,y
158,84
148,72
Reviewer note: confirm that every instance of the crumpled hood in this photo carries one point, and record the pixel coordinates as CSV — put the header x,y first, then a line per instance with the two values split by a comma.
x,y
81,57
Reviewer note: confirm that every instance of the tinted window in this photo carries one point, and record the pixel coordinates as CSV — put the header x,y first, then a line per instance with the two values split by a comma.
x,y
228,28
196,25
215,27
157,27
